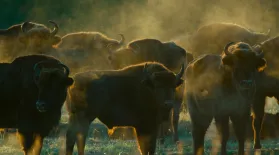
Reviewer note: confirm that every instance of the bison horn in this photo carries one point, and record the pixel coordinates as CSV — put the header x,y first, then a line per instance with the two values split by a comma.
x,y
23,26
66,68
55,30
181,72
122,40
227,47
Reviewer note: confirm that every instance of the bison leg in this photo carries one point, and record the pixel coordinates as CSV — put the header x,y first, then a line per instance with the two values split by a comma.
x,y
147,142
81,137
163,129
77,131
175,120
38,144
239,125
258,114
222,125
200,123
6,135
26,141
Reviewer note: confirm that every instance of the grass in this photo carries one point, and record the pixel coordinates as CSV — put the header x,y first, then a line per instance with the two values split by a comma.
x,y
102,145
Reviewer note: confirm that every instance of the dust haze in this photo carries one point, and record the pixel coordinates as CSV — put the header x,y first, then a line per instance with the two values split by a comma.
x,y
165,20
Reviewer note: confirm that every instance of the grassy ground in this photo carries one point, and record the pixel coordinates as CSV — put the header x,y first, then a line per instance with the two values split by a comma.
x,y
99,144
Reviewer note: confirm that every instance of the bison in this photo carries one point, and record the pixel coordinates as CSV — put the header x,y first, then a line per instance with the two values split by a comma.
x,y
167,53
138,51
211,38
27,38
76,50
139,96
33,90
87,50
270,86
223,87
90,41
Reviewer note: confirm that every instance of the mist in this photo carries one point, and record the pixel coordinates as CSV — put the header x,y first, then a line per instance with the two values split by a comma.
x,y
165,20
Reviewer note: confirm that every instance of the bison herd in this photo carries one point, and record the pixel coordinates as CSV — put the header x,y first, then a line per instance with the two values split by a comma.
x,y
142,84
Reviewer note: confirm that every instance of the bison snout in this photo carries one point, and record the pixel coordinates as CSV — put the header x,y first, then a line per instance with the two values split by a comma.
x,y
41,106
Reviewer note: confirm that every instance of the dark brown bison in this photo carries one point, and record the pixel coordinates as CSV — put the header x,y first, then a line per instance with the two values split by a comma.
x,y
167,53
138,51
33,90
139,96
27,38
87,50
223,87
270,85
211,38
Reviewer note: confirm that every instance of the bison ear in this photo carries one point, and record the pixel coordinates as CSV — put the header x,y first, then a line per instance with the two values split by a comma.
x,y
228,60
69,81
179,82
261,64
56,40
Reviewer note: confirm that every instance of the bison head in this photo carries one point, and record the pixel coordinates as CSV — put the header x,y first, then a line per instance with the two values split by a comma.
x,y
162,83
244,61
52,81
115,45
38,35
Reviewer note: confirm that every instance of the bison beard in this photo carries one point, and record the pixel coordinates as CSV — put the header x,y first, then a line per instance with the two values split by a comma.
x,y
119,98
22,87
222,88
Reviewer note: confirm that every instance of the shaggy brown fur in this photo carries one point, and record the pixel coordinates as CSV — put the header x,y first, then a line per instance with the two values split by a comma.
x,y
87,50
269,84
27,38
223,88
30,104
211,38
90,41
140,96
167,53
